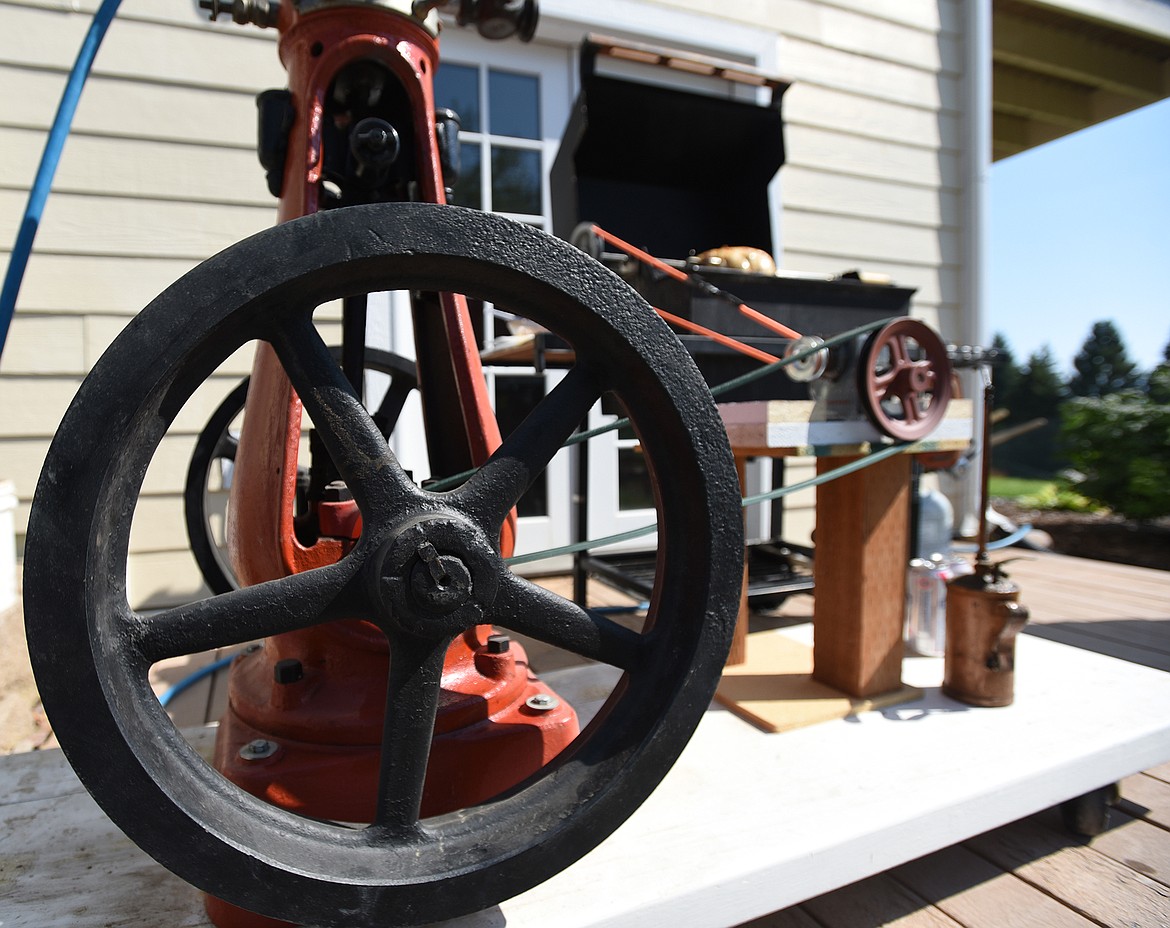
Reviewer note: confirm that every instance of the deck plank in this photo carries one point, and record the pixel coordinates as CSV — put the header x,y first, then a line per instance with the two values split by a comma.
x,y
1146,797
978,894
1136,844
879,900
1161,772
1109,893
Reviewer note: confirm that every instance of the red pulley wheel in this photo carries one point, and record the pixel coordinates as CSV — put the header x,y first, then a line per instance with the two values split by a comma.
x,y
904,377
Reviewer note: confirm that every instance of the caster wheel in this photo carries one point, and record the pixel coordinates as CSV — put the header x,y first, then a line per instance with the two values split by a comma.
x,y
905,379
425,569
1088,815
215,452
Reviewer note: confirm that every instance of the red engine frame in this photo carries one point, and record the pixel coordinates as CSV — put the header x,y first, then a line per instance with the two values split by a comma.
x,y
323,723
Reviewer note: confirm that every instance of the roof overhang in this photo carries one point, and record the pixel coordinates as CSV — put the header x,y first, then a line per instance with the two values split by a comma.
x,y
1062,66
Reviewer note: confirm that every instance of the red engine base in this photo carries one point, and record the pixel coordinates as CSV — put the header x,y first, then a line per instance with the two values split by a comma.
x,y
304,724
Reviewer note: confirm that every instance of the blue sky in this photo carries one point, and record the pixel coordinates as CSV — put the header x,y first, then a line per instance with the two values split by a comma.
x,y
1080,232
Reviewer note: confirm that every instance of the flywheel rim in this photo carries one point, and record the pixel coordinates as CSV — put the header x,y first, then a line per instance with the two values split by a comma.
x,y
180,810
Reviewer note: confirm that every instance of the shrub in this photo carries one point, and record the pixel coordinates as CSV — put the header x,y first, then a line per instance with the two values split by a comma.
x,y
1121,443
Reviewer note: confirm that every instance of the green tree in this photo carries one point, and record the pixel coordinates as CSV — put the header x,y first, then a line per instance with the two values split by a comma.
x,y
1102,365
1005,371
1037,394
1158,384
1121,443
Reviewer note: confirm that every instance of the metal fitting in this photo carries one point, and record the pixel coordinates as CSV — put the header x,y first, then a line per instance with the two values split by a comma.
x,y
542,702
258,749
262,13
498,644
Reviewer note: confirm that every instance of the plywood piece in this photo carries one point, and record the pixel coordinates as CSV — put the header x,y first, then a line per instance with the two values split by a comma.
x,y
774,687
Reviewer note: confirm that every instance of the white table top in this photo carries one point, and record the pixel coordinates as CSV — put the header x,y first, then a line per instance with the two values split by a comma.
x,y
745,824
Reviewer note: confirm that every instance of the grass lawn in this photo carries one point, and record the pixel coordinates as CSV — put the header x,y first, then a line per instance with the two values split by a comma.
x,y
1015,487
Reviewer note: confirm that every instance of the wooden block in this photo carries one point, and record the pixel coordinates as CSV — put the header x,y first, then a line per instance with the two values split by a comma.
x,y
774,687
862,541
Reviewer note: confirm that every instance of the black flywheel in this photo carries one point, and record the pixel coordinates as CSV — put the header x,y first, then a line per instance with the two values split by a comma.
x,y
92,650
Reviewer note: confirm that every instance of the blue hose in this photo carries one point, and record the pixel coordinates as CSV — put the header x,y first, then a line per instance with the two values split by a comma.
x,y
194,678
48,166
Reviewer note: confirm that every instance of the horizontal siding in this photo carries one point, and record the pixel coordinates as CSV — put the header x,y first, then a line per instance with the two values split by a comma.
x,y
163,578
863,26
871,241
87,284
819,190
138,169
45,345
934,284
135,50
811,106
116,108
84,224
869,78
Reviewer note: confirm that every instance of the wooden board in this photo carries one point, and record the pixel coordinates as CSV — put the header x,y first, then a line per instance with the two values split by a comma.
x,y
774,688
802,427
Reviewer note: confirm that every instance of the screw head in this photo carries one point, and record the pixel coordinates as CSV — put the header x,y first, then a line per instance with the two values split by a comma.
x,y
289,670
258,749
498,644
542,702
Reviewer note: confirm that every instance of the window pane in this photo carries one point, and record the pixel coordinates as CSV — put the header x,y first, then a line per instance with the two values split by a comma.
x,y
469,190
457,88
634,489
513,104
516,397
515,180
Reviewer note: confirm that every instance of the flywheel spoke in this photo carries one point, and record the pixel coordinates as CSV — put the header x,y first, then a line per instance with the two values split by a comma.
x,y
288,604
532,610
497,486
355,443
412,700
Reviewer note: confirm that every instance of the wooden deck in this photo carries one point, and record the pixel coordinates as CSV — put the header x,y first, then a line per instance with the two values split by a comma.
x,y
1034,873
1028,874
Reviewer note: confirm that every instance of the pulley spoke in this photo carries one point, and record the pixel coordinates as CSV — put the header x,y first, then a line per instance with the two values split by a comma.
x,y
357,447
412,699
532,610
290,603
497,486
899,354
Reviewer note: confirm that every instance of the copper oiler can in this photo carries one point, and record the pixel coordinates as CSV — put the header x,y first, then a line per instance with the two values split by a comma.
x,y
984,617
